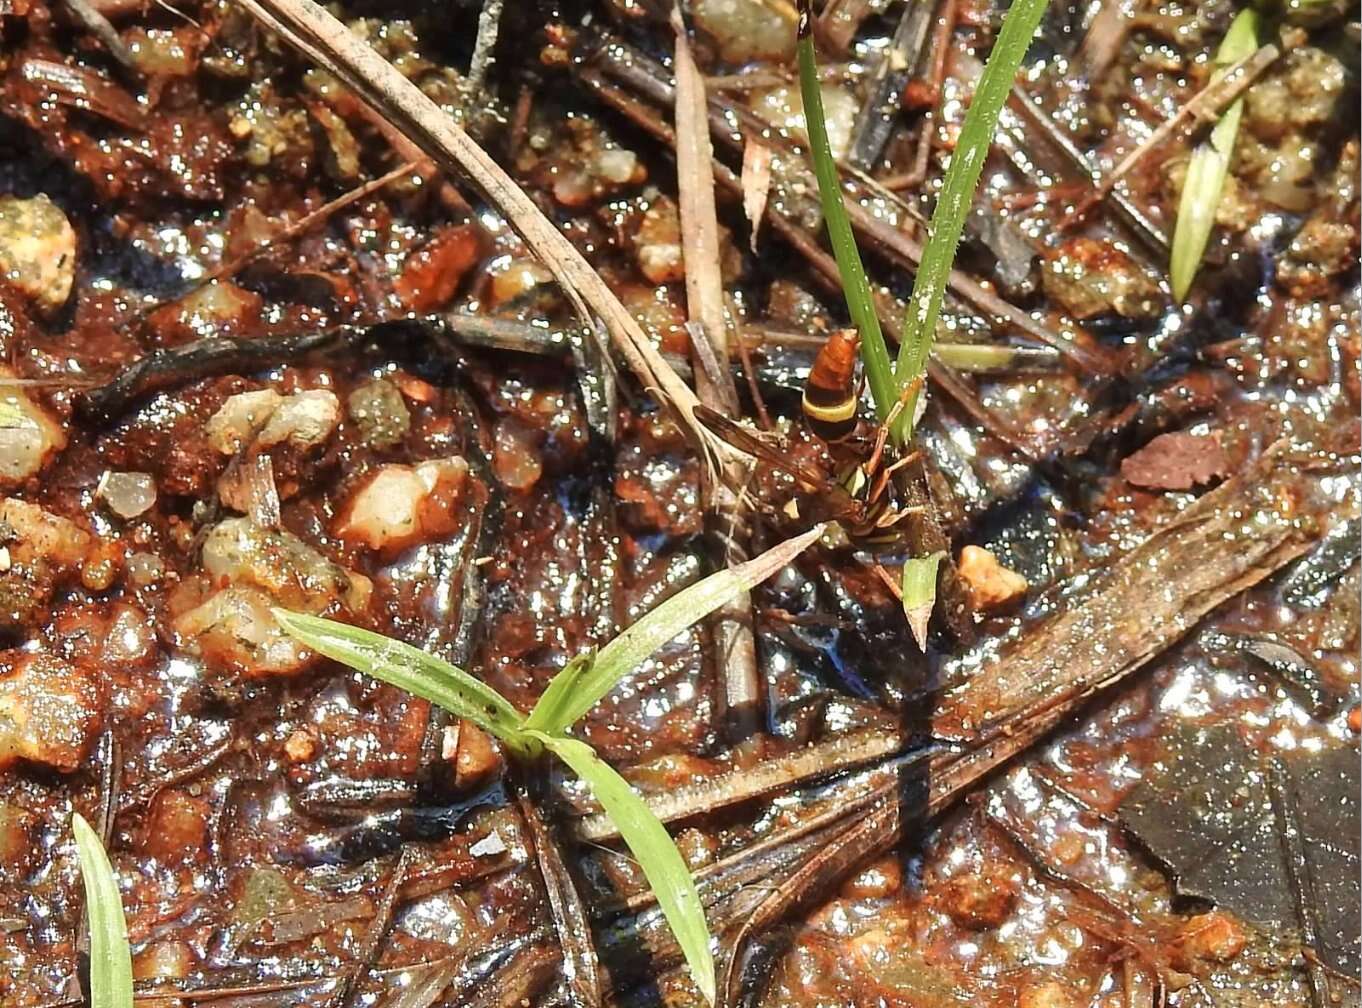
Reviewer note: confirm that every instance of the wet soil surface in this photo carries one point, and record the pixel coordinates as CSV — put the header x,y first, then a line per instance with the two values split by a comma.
x,y
1132,781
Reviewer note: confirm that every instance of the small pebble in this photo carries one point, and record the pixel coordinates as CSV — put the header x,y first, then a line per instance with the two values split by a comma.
x,y
473,753
177,829
657,246
518,279
145,569
29,435
164,960
380,413
300,746
991,586
102,564
37,251
128,494
515,456
979,901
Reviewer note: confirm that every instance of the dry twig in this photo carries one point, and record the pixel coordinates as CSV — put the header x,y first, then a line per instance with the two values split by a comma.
x,y
1202,108
735,650
581,969
301,226
93,21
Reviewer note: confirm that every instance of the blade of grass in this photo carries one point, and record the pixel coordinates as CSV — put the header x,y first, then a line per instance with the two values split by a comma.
x,y
651,845
860,304
557,696
411,669
957,196
684,609
110,957
1210,164
919,593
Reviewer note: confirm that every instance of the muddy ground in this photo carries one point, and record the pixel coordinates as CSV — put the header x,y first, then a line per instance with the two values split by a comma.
x,y
1130,781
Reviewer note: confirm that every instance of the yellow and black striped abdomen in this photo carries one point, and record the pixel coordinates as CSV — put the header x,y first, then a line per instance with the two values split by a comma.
x,y
831,392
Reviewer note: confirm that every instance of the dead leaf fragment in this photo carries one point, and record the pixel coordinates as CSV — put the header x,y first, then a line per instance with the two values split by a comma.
x,y
1273,841
756,183
1176,461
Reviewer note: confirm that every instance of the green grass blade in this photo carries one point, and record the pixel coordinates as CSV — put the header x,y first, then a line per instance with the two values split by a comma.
x,y
411,669
649,842
556,700
1210,164
919,593
957,196
684,609
860,304
110,957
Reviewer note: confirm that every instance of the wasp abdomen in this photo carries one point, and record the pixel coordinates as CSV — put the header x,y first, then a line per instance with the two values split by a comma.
x,y
831,393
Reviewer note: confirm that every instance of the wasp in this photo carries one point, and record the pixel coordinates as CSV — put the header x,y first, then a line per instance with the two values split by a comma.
x,y
852,488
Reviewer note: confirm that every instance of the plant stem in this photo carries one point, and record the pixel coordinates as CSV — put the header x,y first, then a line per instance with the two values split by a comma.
x,y
957,196
860,304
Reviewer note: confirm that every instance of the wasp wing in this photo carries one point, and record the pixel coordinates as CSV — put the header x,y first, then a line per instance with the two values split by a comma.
x,y
748,442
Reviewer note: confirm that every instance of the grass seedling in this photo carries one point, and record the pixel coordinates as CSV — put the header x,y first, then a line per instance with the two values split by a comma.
x,y
1210,163
110,957
948,221
573,691
929,286
918,586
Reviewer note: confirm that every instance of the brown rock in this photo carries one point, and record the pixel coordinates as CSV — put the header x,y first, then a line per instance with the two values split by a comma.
x,y
300,746
991,586
432,274
979,900
50,711
657,246
220,308
1091,278
177,829
475,757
